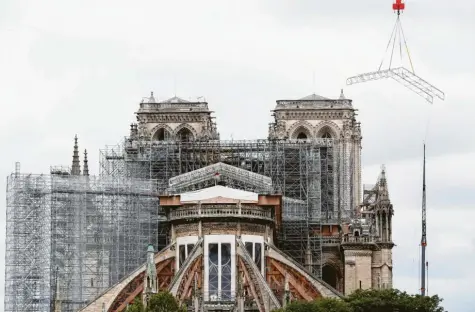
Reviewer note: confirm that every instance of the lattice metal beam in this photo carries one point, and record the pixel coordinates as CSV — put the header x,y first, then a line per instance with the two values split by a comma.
x,y
200,175
404,77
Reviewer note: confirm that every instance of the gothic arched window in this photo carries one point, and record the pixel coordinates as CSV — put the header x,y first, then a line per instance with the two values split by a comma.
x,y
185,135
161,135
301,136
301,133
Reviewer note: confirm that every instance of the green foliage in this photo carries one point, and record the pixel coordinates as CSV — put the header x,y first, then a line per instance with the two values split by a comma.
x,y
392,300
164,302
161,302
137,306
321,305
332,305
388,300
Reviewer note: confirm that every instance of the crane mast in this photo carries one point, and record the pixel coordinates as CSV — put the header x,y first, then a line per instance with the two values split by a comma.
x,y
423,237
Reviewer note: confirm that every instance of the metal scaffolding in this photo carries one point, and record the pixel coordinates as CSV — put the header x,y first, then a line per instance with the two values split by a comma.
x,y
303,172
69,237
84,232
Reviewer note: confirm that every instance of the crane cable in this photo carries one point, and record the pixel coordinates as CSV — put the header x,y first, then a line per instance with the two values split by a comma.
x,y
407,48
389,42
397,32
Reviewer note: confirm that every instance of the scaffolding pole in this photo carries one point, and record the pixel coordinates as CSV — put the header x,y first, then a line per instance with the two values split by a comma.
x,y
73,236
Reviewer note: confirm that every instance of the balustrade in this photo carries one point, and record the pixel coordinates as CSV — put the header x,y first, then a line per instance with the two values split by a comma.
x,y
358,239
220,211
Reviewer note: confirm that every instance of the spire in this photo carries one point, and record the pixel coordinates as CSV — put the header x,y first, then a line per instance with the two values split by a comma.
x,y
150,280
342,96
151,99
76,167
85,170
383,185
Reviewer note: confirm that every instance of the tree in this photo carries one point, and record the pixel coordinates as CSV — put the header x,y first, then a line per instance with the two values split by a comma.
x,y
319,305
161,302
371,300
137,306
332,305
389,300
164,302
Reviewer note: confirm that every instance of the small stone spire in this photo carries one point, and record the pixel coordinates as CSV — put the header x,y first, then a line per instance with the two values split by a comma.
x,y
286,299
342,95
151,99
76,167
383,185
150,280
134,132
85,170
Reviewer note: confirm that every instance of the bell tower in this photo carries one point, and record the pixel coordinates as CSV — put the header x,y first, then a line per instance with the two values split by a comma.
x,y
315,117
174,119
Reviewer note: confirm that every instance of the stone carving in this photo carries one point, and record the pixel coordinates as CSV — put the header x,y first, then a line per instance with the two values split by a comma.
x,y
142,131
185,126
300,126
347,129
161,126
327,126
272,133
280,130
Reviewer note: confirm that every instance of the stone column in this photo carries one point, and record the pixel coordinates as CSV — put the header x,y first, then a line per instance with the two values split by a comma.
x,y
357,270
387,226
386,265
377,222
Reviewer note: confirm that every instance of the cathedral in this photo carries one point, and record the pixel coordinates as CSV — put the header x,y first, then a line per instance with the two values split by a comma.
x,y
230,228
222,225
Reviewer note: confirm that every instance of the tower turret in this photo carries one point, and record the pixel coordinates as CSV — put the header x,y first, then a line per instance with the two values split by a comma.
x,y
76,167
85,170
383,210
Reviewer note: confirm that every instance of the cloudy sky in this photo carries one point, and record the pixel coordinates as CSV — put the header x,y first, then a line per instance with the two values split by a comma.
x,y
81,67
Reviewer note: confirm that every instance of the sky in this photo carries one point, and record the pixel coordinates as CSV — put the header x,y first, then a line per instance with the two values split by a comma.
x,y
82,67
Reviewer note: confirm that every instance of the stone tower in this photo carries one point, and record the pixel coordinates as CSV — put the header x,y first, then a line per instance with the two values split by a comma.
x,y
383,212
368,243
317,117
174,119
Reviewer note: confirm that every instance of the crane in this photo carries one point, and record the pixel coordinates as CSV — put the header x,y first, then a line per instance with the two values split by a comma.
x,y
406,77
424,232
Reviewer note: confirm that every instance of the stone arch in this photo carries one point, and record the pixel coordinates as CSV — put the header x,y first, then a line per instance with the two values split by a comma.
x,y
332,272
133,287
185,132
301,128
325,128
167,132
116,298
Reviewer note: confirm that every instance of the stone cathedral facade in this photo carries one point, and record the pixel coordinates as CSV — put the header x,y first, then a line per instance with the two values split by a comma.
x,y
229,220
